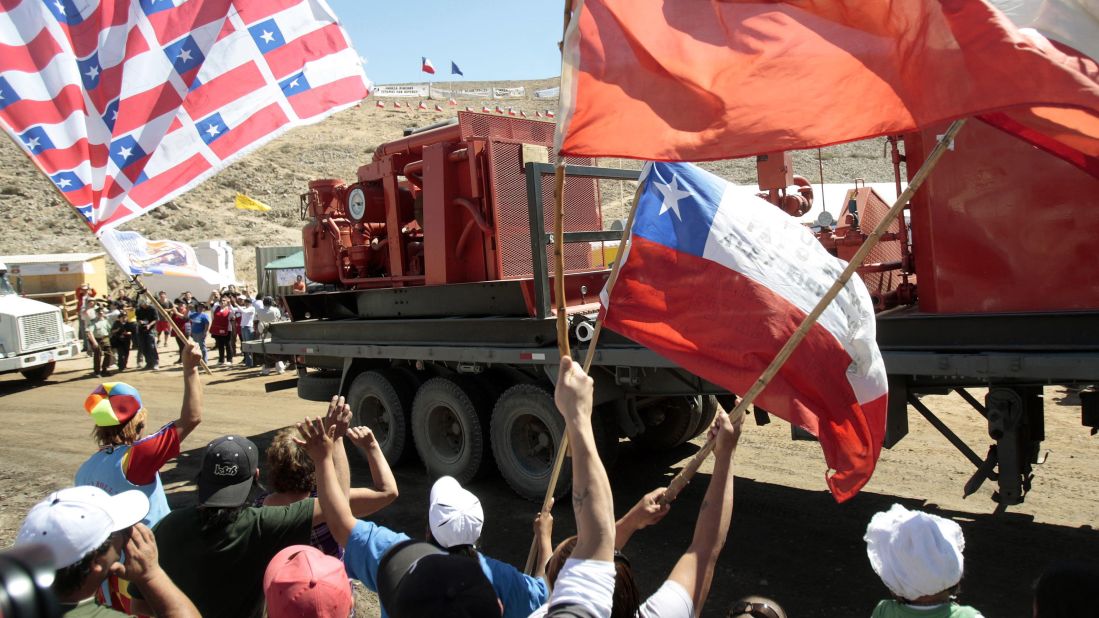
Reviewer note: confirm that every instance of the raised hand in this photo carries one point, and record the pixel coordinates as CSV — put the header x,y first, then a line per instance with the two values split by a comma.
x,y
338,416
142,563
648,509
318,441
362,437
573,394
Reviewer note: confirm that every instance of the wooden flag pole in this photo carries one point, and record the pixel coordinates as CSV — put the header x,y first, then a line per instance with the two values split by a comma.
x,y
680,481
559,460
164,314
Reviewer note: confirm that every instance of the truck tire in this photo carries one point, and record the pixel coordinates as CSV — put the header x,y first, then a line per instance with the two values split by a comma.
x,y
669,422
318,386
447,430
526,432
709,413
382,401
39,373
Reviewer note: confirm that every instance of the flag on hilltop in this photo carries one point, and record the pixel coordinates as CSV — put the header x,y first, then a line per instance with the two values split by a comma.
x,y
454,70
125,105
716,280
426,66
243,202
681,80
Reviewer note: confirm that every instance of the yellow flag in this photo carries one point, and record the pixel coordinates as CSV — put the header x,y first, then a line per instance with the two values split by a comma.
x,y
246,203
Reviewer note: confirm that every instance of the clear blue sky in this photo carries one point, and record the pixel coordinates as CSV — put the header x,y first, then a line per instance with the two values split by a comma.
x,y
490,40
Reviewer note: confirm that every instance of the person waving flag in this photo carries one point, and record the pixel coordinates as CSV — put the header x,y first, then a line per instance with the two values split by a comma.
x,y
716,279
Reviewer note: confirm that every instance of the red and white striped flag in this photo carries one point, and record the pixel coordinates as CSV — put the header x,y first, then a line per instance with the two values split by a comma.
x,y
426,66
126,104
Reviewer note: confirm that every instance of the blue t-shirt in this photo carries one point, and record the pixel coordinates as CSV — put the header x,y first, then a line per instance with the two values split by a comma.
x,y
200,322
520,593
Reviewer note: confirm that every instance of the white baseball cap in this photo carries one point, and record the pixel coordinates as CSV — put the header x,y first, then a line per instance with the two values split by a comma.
x,y
72,522
455,515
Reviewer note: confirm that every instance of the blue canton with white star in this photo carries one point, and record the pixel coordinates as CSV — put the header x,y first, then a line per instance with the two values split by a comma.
x,y
35,140
211,127
678,206
184,54
294,84
67,181
267,35
7,94
126,151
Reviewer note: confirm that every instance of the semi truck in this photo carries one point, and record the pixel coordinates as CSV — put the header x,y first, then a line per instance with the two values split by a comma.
x,y
33,337
434,305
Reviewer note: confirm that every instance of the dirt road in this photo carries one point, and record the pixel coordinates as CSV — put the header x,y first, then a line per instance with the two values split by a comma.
x,y
789,540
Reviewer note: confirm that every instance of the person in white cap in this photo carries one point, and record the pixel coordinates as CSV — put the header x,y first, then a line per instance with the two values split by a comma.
x,y
919,558
455,519
86,530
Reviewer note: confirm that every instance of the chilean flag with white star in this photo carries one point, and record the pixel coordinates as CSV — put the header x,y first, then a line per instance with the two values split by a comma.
x,y
716,280
125,104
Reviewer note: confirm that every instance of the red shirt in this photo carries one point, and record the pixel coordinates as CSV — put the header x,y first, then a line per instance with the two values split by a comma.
x,y
219,321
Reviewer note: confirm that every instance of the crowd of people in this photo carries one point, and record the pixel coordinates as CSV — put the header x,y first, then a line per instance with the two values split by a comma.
x,y
111,328
292,550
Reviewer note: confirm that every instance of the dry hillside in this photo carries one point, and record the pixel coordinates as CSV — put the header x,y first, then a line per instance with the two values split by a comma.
x,y
278,173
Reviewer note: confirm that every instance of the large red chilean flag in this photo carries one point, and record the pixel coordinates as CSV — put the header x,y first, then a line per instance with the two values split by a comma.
x,y
690,80
716,280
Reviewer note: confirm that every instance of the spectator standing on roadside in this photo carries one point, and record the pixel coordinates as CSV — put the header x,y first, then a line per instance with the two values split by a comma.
x,y
163,329
219,328
99,339
147,318
87,530
127,459
265,316
83,291
918,556
200,325
182,319
247,320
234,325
122,334
303,582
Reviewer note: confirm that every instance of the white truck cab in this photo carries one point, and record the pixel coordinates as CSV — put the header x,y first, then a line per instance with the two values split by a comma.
x,y
33,336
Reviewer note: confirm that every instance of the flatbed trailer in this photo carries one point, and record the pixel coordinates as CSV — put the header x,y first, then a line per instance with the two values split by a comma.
x,y
491,366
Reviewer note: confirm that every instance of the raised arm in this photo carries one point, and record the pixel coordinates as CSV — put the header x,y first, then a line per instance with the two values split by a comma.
x,y
366,500
591,491
190,415
645,513
331,506
695,569
142,569
339,417
543,534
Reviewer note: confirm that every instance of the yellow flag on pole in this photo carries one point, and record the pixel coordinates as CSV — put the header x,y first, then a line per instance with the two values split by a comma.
x,y
246,203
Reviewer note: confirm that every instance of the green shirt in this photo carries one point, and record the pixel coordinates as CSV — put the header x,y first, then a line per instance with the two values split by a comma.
x,y
222,570
896,609
88,608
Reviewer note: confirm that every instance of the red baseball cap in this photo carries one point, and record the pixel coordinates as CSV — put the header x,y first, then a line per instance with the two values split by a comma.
x,y
303,581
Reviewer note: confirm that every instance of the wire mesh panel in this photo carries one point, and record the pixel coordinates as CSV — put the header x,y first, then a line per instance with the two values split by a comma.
x,y
508,191
871,213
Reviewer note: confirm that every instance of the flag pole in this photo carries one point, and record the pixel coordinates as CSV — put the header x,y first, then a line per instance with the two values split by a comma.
x,y
680,481
141,289
562,317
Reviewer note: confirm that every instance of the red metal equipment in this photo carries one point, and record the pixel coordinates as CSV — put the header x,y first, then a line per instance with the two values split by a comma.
x,y
442,206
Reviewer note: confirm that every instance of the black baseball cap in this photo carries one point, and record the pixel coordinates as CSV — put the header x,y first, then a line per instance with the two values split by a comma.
x,y
416,578
228,471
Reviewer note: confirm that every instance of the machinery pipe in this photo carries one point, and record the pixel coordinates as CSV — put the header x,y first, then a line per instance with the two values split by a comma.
x,y
416,141
412,172
475,212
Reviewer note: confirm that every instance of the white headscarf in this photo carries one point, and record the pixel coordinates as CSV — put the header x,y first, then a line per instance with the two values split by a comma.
x,y
915,554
